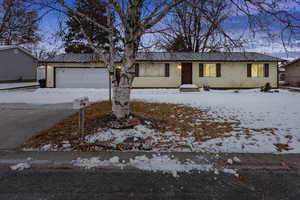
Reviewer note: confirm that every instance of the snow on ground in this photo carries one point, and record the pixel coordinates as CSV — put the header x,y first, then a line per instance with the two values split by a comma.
x,y
144,138
254,109
190,86
118,136
20,166
51,95
16,85
158,163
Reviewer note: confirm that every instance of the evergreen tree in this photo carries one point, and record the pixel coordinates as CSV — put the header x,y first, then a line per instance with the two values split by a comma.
x,y
74,41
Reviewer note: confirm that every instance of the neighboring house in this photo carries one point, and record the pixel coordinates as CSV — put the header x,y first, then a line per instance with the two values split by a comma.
x,y
169,70
292,73
17,64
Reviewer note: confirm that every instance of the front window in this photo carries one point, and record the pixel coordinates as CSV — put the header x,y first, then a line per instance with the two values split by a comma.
x,y
210,70
257,70
152,70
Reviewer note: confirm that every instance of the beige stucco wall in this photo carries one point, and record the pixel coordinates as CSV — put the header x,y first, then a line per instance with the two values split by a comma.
x,y
233,75
292,74
51,66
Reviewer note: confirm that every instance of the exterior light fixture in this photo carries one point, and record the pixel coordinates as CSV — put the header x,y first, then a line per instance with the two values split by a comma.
x,y
178,66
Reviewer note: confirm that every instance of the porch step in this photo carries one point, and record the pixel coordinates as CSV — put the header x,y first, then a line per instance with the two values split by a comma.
x,y
189,88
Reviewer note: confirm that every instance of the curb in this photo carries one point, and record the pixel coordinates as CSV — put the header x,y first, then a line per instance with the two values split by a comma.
x,y
248,161
22,87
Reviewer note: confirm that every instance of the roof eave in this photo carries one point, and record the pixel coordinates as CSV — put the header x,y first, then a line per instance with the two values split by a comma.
x,y
147,60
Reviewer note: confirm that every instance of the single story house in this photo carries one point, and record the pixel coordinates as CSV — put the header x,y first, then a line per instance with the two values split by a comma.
x,y
169,70
292,73
17,64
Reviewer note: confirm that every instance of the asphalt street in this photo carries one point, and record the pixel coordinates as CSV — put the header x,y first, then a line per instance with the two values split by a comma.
x,y
67,184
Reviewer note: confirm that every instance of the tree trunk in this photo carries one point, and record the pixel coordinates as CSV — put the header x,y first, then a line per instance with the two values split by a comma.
x,y
121,89
120,102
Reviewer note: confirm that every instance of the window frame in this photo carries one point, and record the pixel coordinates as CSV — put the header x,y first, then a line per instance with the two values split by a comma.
x,y
260,70
204,70
163,65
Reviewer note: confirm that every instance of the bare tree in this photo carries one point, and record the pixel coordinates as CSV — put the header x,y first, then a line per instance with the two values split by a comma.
x,y
275,18
18,22
135,18
196,25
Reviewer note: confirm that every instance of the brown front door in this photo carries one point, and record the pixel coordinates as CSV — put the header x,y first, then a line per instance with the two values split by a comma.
x,y
186,73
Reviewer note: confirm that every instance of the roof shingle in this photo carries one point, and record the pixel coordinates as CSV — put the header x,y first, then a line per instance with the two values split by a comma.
x,y
173,56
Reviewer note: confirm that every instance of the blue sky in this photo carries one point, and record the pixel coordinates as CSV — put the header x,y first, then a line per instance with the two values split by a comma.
x,y
236,24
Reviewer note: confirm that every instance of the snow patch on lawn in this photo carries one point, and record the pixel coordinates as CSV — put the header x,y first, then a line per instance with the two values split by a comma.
x,y
142,137
119,135
158,163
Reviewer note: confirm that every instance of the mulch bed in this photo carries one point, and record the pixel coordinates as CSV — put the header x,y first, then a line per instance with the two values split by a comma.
x,y
184,120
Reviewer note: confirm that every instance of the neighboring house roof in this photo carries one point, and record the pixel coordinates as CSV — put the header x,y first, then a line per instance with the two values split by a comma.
x,y
292,62
214,56
173,56
5,47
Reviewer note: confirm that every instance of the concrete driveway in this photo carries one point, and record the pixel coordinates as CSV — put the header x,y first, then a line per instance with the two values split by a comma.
x,y
18,122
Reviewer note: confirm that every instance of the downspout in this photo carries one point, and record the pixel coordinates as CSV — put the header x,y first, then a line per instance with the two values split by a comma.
x,y
46,74
277,75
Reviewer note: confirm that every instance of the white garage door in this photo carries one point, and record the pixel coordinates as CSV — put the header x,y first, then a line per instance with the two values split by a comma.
x,y
81,78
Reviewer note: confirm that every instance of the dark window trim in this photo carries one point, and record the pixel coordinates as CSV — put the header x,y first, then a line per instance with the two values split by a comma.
x,y
201,70
218,70
266,70
167,69
249,70
137,69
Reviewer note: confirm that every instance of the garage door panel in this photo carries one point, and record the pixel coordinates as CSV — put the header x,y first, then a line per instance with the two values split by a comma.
x,y
81,78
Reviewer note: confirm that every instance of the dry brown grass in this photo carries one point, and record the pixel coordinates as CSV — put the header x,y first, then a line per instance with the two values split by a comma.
x,y
183,120
282,147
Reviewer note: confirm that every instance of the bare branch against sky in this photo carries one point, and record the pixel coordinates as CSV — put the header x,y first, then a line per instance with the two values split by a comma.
x,y
135,18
